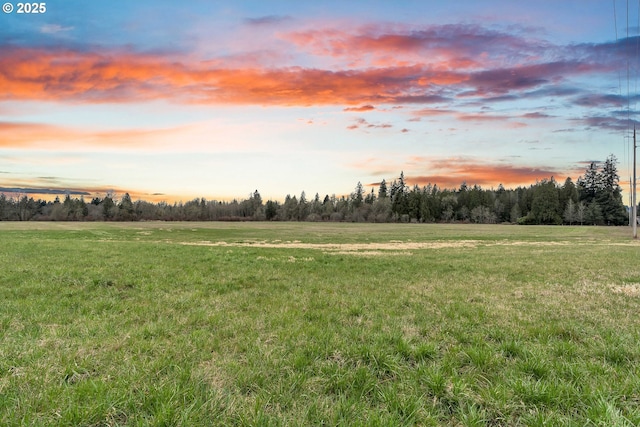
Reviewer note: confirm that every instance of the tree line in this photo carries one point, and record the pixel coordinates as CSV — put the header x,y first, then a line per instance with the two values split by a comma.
x,y
594,199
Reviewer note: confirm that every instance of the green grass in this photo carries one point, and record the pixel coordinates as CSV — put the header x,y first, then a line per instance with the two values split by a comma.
x,y
161,324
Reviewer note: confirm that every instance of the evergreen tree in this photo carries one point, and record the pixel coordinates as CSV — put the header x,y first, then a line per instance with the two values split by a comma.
x,y
593,213
610,195
398,195
82,208
357,197
590,184
414,200
3,206
271,210
69,208
609,178
427,205
371,198
448,204
328,205
381,210
125,208
303,207
382,191
515,213
256,202
316,206
27,208
612,208
475,197
567,192
290,208
108,207
501,207
545,203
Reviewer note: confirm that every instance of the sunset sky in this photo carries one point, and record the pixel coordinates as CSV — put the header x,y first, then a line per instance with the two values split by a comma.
x,y
174,100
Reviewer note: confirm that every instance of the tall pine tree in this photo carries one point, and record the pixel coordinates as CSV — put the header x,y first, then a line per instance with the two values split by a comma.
x,y
601,193
610,195
590,184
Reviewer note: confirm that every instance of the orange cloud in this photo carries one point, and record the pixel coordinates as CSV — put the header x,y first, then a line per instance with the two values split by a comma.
x,y
16,134
39,135
46,74
39,74
361,108
376,64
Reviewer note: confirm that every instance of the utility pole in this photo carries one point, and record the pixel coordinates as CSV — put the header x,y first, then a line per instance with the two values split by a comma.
x,y
635,203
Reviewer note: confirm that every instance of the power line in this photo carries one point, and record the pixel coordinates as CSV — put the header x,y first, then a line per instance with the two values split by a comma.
x,y
626,49
625,138
626,54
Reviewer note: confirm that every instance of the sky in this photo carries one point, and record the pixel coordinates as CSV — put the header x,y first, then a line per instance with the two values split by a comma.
x,y
170,101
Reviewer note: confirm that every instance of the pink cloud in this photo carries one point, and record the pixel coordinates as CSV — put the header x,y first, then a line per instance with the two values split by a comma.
x,y
361,108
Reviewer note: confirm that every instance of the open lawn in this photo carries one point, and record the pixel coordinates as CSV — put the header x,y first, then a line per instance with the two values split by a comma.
x,y
318,324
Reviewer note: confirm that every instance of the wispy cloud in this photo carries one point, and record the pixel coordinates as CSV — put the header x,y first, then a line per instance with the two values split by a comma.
x,y
448,46
608,122
53,137
361,108
54,29
44,191
536,115
431,112
361,123
268,20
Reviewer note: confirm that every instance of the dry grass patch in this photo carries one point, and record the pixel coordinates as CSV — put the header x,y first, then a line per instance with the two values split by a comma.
x,y
372,253
630,290
213,373
344,247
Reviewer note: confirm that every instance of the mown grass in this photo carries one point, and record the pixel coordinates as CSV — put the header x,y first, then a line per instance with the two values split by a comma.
x,y
124,324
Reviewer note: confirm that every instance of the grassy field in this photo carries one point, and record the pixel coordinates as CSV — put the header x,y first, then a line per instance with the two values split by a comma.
x,y
318,324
